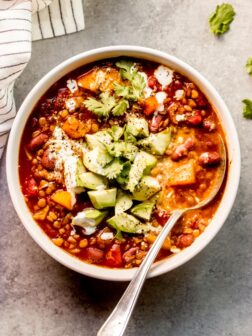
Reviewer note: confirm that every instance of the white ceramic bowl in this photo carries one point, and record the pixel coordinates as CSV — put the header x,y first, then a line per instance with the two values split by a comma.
x,y
31,100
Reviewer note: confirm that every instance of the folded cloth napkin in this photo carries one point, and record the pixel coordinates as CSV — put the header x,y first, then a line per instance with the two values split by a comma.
x,y
22,21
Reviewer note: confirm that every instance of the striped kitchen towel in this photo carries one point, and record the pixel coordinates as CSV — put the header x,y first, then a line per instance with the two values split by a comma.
x,y
22,21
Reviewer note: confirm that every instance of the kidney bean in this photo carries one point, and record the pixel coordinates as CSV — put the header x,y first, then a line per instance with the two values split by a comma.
x,y
31,188
209,158
162,216
130,254
182,150
156,123
94,255
152,82
185,240
195,119
114,256
201,100
38,141
47,161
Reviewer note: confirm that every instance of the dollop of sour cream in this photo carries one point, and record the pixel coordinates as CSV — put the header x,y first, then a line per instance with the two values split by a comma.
x,y
164,75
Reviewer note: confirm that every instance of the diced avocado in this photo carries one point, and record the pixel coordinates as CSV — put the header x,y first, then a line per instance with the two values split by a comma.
x,y
73,168
103,198
143,162
128,137
147,187
157,143
93,181
127,223
138,127
144,210
95,160
88,219
116,132
123,202
98,139
124,149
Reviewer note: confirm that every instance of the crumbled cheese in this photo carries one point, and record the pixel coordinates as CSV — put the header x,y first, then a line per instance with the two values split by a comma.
x,y
179,94
161,96
164,75
107,236
71,104
180,117
72,85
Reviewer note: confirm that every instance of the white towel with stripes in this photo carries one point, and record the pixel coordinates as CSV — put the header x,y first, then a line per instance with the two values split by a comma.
x,y
22,21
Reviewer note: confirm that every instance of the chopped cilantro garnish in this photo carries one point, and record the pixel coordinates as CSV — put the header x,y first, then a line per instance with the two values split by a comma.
x,y
249,65
126,69
120,108
247,109
221,19
101,107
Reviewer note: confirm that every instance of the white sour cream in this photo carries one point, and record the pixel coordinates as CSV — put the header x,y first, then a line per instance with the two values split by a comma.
x,y
161,96
164,75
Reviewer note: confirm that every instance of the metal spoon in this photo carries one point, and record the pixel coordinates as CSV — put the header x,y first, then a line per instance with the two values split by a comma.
x,y
117,322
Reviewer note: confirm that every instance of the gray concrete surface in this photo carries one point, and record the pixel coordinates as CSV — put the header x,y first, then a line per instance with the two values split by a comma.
x,y
210,295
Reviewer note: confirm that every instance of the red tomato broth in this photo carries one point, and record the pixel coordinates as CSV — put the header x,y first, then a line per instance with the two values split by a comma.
x,y
51,105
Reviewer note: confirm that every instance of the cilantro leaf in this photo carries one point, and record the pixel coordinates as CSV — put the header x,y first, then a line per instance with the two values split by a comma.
x,y
123,178
113,169
138,85
247,109
126,69
120,108
117,132
221,19
102,107
249,65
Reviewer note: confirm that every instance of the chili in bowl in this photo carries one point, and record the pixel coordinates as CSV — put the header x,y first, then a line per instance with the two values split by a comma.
x,y
113,141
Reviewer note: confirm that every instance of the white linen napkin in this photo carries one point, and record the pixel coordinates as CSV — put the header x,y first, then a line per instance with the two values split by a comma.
x,y
22,21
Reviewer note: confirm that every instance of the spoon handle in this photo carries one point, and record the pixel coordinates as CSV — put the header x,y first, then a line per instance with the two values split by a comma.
x,y
117,322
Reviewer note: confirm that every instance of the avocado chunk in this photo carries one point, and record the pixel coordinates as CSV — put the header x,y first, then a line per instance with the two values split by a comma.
x,y
98,139
143,210
88,219
123,202
138,127
147,187
156,143
116,132
142,164
127,223
103,198
93,181
96,159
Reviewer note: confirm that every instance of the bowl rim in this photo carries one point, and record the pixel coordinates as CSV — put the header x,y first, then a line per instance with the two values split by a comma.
x,y
25,110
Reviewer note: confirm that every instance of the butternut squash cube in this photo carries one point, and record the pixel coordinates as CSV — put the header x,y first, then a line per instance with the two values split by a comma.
x,y
63,198
184,174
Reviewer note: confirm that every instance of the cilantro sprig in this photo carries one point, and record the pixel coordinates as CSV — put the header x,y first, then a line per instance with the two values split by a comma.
x,y
130,90
247,109
221,19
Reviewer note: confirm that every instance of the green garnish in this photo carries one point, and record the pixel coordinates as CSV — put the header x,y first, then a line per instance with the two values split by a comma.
x,y
247,109
221,19
120,108
103,107
134,90
123,178
113,169
249,65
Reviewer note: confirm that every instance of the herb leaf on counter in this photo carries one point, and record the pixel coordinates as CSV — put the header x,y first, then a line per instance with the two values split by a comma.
x,y
247,109
249,66
221,19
